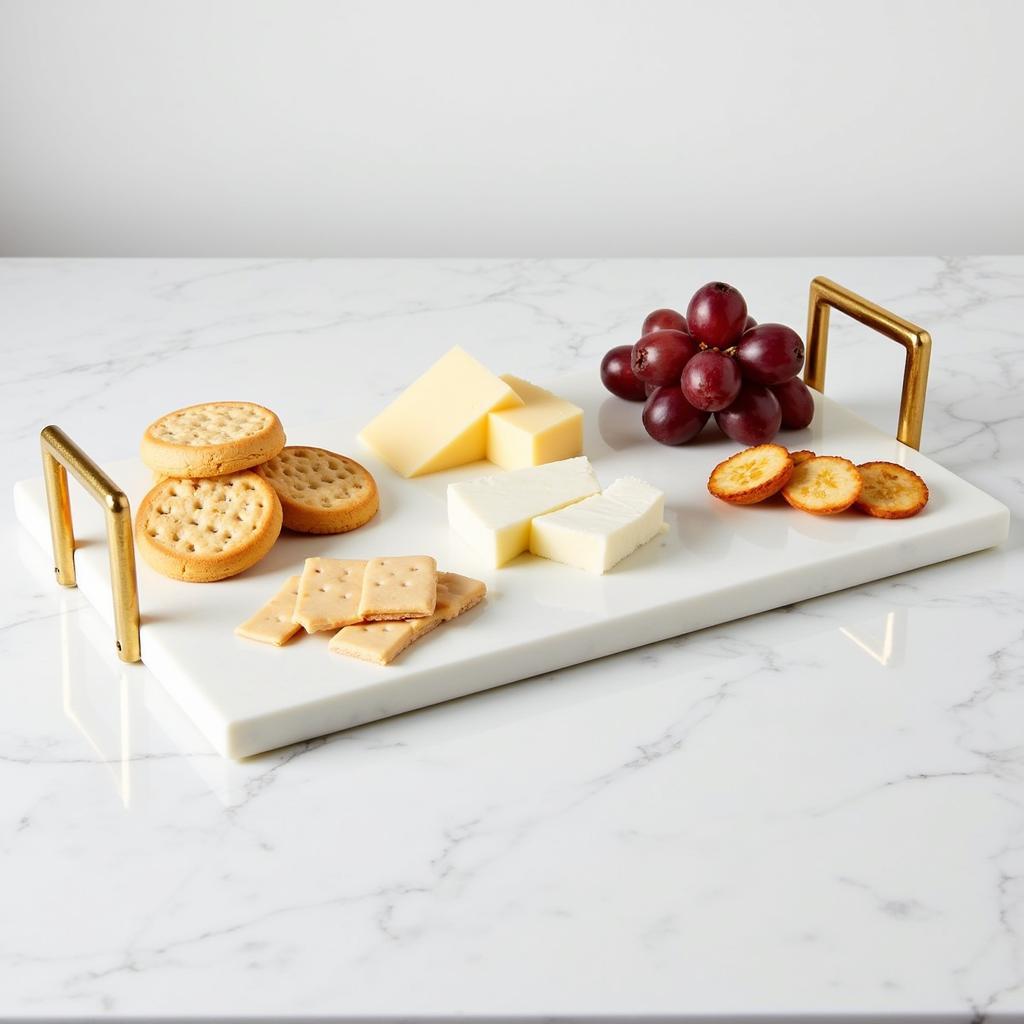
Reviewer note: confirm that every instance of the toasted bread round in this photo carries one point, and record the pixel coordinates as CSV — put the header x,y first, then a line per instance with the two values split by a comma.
x,y
823,485
891,491
751,475
801,456
212,439
321,491
206,530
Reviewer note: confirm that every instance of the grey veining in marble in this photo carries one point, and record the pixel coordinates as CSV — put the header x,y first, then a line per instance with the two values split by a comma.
x,y
816,811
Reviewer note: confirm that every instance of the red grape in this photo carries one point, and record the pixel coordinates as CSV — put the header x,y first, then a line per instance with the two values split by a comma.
x,y
711,380
664,320
669,417
796,403
659,357
649,389
617,375
770,354
716,315
751,322
754,418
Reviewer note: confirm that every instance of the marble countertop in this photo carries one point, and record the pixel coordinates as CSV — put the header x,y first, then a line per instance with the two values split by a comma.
x,y
817,812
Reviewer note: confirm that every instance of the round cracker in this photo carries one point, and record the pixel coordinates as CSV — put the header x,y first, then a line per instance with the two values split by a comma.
x,y
751,475
823,485
212,439
890,491
206,530
801,456
321,491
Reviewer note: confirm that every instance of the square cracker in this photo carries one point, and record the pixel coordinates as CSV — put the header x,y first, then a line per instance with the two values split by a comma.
x,y
382,642
379,642
273,624
455,594
329,592
398,588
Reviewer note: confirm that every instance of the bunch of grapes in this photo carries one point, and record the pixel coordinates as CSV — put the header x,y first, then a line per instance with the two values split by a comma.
x,y
716,359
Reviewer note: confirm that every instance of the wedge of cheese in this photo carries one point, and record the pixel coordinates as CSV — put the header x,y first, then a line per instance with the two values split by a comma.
x,y
440,420
493,513
545,428
598,533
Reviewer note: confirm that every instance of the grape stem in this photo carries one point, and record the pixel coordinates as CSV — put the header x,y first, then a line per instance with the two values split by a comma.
x,y
730,351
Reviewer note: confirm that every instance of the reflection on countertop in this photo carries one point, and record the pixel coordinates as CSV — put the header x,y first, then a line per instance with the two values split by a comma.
x,y
811,811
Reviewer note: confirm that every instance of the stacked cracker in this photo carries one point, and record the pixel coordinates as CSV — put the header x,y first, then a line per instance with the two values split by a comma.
x,y
379,606
226,484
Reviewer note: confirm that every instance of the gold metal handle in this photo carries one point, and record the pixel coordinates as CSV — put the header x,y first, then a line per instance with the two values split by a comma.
x,y
826,294
61,454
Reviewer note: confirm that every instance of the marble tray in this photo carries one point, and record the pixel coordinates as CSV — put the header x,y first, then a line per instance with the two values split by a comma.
x,y
715,563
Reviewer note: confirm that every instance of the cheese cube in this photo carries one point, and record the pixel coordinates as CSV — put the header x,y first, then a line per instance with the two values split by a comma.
x,y
597,533
545,428
493,513
440,420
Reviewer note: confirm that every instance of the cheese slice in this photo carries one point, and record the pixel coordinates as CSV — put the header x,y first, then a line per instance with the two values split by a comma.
x,y
493,513
598,533
545,428
440,420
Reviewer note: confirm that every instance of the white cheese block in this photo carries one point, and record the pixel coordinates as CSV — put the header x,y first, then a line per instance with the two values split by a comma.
x,y
598,533
493,513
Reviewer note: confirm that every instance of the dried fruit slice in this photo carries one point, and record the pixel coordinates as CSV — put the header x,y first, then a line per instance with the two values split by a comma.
x,y
801,456
751,475
891,491
823,485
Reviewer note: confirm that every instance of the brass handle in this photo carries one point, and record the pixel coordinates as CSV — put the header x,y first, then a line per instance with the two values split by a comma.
x,y
826,294
61,454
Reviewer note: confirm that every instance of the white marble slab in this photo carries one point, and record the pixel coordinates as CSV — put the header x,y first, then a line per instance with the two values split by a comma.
x,y
713,563
813,812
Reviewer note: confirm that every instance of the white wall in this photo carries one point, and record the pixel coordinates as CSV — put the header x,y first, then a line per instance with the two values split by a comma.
x,y
287,127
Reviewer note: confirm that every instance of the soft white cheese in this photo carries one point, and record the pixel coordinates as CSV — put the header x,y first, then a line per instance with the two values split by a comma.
x,y
493,513
599,532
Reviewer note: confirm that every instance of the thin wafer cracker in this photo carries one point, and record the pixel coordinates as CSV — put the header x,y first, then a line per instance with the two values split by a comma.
x,y
398,588
379,642
273,624
455,594
382,642
329,591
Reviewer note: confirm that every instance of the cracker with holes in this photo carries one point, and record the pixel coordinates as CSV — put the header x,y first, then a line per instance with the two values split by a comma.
x,y
212,439
206,530
382,642
329,592
455,594
752,475
320,491
273,624
398,588
379,642
824,485
890,491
